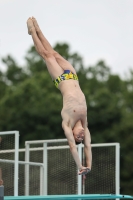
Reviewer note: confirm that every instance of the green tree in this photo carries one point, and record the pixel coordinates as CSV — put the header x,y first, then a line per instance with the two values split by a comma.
x,y
3,85
14,73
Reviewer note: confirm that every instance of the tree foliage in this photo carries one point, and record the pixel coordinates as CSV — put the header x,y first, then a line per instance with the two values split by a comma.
x,y
30,103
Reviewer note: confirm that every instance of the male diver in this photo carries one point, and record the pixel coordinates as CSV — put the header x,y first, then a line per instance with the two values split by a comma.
x,y
74,111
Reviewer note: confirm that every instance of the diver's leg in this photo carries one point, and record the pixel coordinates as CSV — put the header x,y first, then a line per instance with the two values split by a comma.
x,y
42,38
54,69
64,64
38,45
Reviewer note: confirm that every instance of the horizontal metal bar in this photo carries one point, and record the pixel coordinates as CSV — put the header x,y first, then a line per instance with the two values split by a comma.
x,y
35,149
12,151
45,141
104,144
21,162
7,132
65,140
70,197
58,147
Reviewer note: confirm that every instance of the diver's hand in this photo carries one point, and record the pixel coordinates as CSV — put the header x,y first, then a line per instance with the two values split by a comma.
x,y
84,170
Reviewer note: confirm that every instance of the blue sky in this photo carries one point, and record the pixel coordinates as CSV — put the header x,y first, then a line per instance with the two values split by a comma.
x,y
96,29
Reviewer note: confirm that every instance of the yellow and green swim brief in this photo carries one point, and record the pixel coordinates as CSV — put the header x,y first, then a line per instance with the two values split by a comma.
x,y
65,76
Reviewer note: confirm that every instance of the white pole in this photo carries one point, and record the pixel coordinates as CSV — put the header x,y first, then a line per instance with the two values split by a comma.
x,y
41,180
27,170
21,162
117,172
16,174
79,176
83,178
45,178
7,132
47,141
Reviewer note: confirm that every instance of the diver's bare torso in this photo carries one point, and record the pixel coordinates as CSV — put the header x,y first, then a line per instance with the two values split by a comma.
x,y
74,103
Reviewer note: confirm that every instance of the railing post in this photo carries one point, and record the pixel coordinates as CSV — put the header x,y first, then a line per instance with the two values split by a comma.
x,y
45,178
27,156
16,165
80,177
41,179
117,172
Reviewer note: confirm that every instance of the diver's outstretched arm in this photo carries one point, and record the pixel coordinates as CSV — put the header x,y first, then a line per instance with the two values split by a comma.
x,y
73,148
87,148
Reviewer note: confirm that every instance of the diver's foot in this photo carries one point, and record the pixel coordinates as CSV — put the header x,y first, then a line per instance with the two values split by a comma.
x,y
37,28
30,26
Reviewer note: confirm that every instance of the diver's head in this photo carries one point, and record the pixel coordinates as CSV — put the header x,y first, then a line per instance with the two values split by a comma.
x,y
78,132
